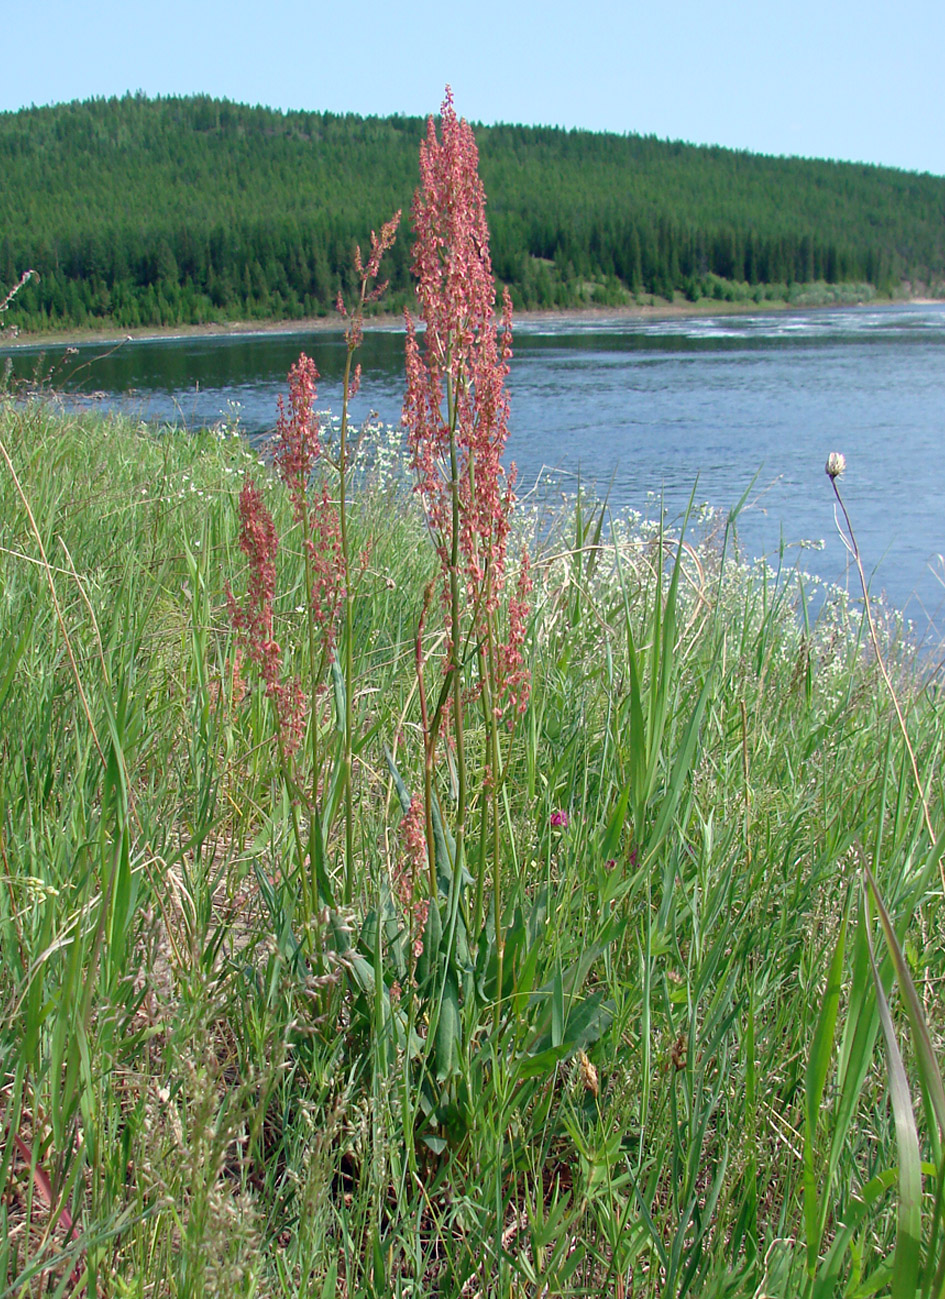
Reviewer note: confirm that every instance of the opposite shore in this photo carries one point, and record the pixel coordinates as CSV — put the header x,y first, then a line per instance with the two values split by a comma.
x,y
659,309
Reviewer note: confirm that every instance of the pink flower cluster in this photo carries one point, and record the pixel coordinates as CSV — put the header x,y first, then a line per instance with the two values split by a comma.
x,y
297,450
253,619
295,454
456,404
379,246
297,442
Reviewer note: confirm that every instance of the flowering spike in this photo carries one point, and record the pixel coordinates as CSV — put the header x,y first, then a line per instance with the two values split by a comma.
x,y
456,403
253,620
297,443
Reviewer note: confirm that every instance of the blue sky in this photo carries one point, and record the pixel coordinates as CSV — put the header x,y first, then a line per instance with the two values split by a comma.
x,y
860,80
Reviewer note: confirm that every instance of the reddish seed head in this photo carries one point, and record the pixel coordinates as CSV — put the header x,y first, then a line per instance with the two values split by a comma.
x,y
380,245
462,353
259,544
253,618
297,443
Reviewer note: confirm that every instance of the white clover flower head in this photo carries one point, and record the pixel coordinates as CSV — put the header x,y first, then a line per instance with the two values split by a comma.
x,y
836,463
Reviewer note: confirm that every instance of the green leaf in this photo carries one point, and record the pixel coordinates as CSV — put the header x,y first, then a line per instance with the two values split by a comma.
x,y
818,1065
432,938
317,856
330,1285
683,762
338,684
611,839
542,1062
403,793
448,1030
11,655
557,1009
856,1046
907,1259
828,1275
922,1043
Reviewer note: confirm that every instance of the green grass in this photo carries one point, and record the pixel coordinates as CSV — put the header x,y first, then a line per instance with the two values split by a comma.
x,y
684,1088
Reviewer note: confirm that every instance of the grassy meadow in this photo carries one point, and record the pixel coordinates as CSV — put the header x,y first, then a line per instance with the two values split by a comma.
x,y
637,1049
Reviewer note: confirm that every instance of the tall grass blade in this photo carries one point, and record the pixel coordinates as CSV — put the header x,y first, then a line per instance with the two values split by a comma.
x,y
907,1259
929,1072
818,1065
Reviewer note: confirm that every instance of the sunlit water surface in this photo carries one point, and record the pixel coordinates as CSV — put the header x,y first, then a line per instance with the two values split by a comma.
x,y
646,410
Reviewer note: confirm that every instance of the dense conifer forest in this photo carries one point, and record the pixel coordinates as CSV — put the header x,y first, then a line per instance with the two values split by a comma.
x,y
139,212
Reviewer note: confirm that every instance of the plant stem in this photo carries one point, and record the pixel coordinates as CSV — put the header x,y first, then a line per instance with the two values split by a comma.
x,y
882,667
348,670
455,629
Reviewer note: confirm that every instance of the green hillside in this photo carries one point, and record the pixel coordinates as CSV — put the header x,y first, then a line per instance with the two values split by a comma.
x,y
140,212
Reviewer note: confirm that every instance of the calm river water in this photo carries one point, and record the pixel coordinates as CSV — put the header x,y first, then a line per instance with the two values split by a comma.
x,y
655,406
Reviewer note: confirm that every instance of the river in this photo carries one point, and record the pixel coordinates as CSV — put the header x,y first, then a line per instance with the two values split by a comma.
x,y
649,408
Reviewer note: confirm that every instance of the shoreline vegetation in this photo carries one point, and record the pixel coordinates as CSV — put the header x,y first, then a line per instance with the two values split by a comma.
x,y
823,297
685,889
405,892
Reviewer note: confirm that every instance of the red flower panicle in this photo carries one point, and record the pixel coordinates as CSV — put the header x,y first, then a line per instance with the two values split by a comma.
x,y
253,619
259,543
379,246
456,380
297,449
297,443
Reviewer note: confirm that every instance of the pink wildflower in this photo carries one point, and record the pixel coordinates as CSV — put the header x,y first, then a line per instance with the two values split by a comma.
x,y
296,452
259,543
253,619
456,400
421,911
297,442
559,818
461,354
288,699
379,246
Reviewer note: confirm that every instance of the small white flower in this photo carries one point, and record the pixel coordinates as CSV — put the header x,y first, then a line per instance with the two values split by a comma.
x,y
836,463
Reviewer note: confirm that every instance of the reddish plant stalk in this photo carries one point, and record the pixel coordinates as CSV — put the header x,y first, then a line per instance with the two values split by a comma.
x,y
456,414
352,381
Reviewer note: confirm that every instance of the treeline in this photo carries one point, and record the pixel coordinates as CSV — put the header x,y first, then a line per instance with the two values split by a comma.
x,y
144,212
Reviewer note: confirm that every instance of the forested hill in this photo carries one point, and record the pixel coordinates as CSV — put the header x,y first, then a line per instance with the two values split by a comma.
x,y
138,212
